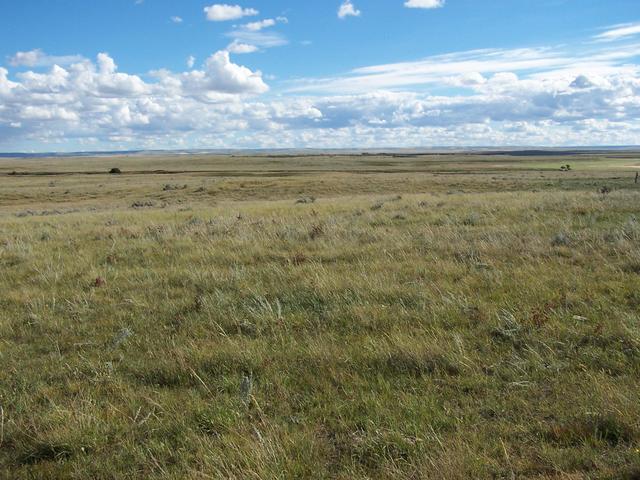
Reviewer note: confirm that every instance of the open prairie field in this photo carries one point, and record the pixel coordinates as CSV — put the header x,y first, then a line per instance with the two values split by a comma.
x,y
369,316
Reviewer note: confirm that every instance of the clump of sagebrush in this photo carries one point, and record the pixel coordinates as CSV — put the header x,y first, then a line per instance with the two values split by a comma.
x,y
470,256
143,204
507,327
316,230
303,200
592,428
604,191
121,337
299,258
246,387
416,363
472,219
561,239
172,186
631,228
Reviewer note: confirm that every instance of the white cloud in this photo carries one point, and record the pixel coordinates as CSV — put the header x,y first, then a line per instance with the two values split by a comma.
x,y
191,61
443,70
30,112
224,12
581,81
221,75
257,38
37,58
257,26
95,99
176,19
534,96
347,9
251,36
424,3
619,31
240,48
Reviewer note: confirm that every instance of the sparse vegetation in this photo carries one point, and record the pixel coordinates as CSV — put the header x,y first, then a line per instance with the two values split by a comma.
x,y
304,200
605,190
488,333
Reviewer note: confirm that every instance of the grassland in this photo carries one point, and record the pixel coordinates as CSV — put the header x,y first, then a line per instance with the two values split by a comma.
x,y
453,316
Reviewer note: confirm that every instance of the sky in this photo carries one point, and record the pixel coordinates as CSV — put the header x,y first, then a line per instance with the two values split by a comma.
x,y
78,75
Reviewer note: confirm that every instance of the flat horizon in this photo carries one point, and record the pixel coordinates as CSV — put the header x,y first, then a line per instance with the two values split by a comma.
x,y
319,151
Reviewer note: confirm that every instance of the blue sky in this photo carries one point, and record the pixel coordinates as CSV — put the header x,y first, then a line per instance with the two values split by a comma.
x,y
78,75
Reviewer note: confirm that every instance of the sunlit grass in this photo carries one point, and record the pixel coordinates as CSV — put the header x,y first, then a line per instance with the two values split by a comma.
x,y
394,334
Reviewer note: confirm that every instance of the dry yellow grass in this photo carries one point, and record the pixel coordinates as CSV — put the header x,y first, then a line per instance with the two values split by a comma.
x,y
459,321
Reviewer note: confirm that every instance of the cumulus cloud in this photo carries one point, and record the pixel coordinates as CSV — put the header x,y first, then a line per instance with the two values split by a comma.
x,y
176,19
424,3
536,96
347,9
191,61
582,81
95,99
221,75
224,12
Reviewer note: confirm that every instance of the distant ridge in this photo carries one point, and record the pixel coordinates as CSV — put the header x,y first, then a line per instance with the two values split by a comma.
x,y
513,151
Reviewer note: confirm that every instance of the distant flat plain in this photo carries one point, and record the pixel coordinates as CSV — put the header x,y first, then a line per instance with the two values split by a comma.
x,y
83,179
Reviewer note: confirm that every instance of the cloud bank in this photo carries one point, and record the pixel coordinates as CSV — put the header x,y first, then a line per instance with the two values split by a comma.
x,y
530,96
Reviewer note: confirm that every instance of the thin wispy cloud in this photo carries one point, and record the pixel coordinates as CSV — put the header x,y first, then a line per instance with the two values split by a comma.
x,y
257,26
240,48
619,32
38,58
445,69
262,24
424,3
258,38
